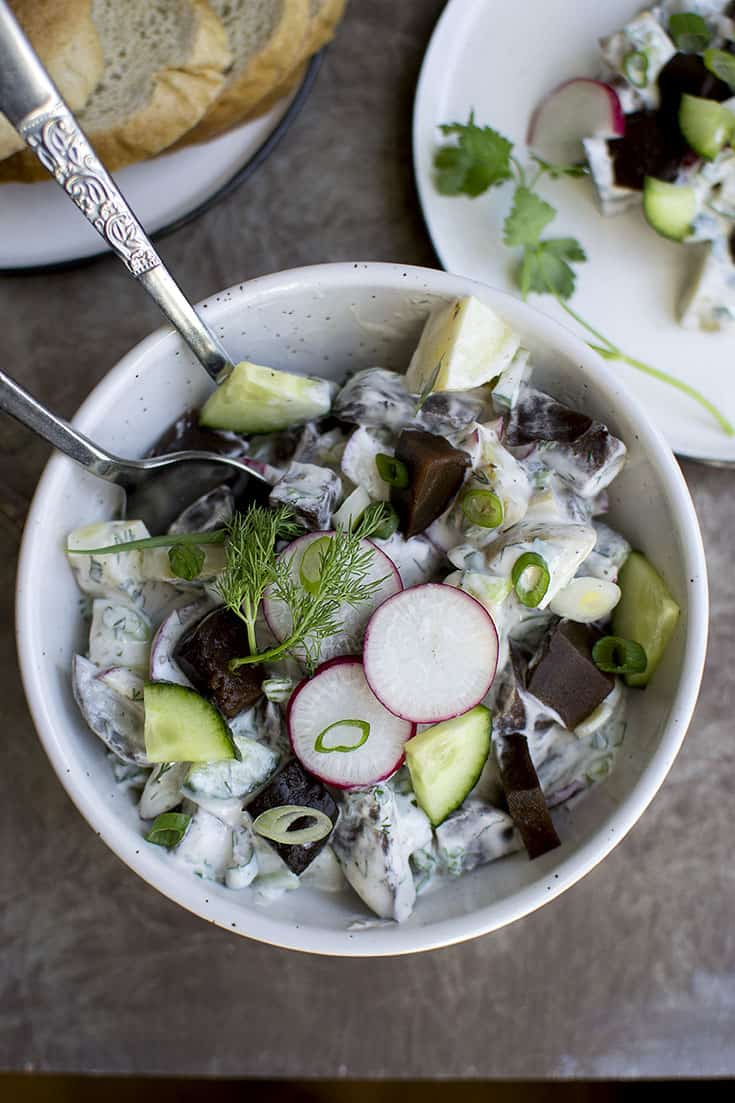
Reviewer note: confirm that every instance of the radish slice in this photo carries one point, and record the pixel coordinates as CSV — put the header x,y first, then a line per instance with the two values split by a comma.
x,y
430,653
164,668
354,617
579,108
339,730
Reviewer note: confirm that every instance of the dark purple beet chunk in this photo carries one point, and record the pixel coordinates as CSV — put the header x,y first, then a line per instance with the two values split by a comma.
x,y
294,786
524,796
186,433
435,473
204,653
731,244
563,676
650,147
536,416
687,73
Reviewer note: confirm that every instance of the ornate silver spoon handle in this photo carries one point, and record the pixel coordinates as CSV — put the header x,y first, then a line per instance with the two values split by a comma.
x,y
32,103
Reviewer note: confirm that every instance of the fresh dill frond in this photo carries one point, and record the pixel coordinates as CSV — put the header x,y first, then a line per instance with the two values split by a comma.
x,y
251,564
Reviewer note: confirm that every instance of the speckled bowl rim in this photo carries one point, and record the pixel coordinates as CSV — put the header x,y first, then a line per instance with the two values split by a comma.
x,y
393,939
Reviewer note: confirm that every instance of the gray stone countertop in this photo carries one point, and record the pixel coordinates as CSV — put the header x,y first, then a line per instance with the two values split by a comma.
x,y
631,972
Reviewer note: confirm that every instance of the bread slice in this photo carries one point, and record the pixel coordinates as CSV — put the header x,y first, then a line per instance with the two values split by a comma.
x,y
324,17
267,39
63,35
165,62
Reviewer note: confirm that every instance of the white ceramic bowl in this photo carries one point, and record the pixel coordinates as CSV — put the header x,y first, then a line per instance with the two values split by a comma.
x,y
326,320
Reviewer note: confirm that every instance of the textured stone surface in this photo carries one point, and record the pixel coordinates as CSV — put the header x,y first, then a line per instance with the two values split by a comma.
x,y
632,972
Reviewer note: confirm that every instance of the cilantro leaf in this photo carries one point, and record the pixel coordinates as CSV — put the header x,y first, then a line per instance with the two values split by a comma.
x,y
528,218
479,160
547,267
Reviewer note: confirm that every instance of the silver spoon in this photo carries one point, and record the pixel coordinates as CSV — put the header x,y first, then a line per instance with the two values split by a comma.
x,y
154,490
31,102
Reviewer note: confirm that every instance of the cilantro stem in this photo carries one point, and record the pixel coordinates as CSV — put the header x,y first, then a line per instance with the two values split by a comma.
x,y
612,352
520,171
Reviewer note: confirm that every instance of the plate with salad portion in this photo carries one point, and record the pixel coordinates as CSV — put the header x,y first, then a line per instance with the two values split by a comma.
x,y
584,156
401,656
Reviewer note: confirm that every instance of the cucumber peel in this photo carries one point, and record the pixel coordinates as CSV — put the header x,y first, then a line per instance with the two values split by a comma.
x,y
669,208
446,760
646,613
255,399
181,726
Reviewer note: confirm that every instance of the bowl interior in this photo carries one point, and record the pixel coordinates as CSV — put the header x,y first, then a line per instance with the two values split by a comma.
x,y
329,320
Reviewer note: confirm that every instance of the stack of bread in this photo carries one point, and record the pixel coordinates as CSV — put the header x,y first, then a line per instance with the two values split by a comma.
x,y
143,76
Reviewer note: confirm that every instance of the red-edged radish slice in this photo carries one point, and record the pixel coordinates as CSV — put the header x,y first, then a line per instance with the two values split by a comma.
x,y
430,653
339,730
354,617
579,108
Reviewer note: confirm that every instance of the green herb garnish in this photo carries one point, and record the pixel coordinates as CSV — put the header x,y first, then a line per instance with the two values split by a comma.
x,y
482,508
479,158
429,387
722,65
278,824
185,560
689,32
168,829
362,726
614,655
635,67
218,536
392,471
530,577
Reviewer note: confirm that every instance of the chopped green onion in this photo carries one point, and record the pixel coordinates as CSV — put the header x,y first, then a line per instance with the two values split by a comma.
x,y
388,525
689,31
363,727
482,507
635,67
310,570
179,539
168,829
530,595
722,65
614,655
185,561
277,688
277,825
391,470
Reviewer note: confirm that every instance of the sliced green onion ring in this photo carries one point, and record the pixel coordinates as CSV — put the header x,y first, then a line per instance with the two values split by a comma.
x,y
482,507
532,595
363,727
615,655
635,67
276,824
721,64
310,568
168,829
392,471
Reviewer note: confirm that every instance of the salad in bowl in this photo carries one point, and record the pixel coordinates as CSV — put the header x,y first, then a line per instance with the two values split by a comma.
x,y
401,654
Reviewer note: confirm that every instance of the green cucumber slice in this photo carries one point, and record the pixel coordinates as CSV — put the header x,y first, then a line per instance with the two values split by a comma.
x,y
446,760
646,613
254,399
180,726
669,208
706,125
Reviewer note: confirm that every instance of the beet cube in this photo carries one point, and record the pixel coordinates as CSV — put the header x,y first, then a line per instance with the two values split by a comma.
x,y
526,801
435,473
204,653
294,786
563,676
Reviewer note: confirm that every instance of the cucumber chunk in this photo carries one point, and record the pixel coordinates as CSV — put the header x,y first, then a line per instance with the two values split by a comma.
x,y
254,399
669,208
646,613
706,125
180,726
446,760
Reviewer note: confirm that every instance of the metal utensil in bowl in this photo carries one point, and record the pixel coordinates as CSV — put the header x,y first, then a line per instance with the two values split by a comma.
x,y
154,490
32,103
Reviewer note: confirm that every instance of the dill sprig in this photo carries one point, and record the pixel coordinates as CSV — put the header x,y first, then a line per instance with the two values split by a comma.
x,y
251,564
342,580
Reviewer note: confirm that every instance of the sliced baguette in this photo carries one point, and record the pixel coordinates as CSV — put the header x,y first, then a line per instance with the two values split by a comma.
x,y
165,62
267,39
64,37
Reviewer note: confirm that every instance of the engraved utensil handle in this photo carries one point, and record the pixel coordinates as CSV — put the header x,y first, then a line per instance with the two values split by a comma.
x,y
32,103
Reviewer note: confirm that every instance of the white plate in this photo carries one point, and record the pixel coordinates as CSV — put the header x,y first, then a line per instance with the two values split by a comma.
x,y
501,59
39,226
